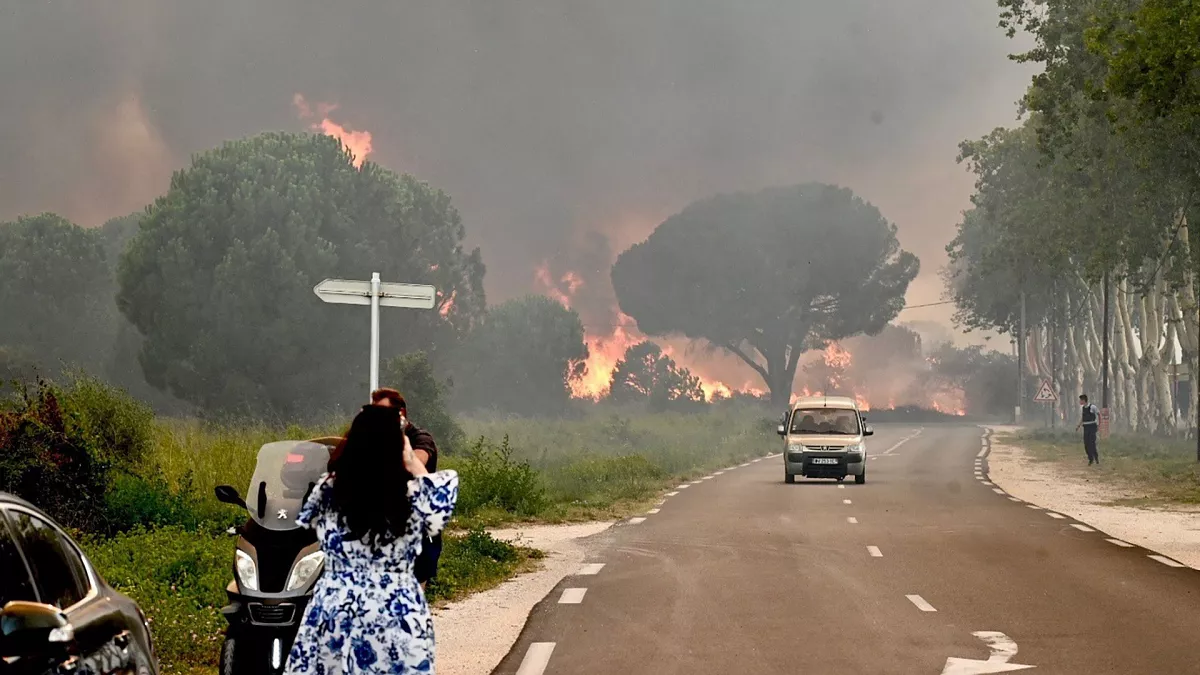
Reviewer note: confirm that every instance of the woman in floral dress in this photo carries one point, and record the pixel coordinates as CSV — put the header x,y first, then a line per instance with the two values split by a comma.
x,y
368,613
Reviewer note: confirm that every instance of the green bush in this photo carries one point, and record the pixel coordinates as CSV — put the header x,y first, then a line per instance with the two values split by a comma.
x,y
178,578
473,562
491,479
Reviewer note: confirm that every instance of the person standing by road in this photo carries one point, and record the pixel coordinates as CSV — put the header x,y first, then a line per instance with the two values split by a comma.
x,y
1089,421
425,449
370,512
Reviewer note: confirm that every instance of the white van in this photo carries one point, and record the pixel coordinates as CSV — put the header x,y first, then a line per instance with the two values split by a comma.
x,y
824,438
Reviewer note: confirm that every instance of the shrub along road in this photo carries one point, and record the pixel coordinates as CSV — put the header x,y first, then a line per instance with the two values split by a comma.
x,y
928,568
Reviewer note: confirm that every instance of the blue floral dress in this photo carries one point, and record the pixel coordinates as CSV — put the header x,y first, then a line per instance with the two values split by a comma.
x,y
368,613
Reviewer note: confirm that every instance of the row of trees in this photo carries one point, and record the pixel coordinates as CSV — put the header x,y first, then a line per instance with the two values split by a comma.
x,y
1093,196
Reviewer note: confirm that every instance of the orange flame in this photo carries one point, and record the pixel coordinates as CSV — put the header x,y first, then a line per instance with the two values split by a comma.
x,y
357,142
448,305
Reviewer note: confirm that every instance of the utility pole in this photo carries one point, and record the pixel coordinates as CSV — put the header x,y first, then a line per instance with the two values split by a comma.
x,y
1021,356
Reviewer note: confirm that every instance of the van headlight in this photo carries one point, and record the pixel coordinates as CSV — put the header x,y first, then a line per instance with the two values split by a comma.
x,y
304,570
247,571
858,448
795,447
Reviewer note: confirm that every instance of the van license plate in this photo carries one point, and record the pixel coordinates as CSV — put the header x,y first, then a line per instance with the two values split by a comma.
x,y
824,460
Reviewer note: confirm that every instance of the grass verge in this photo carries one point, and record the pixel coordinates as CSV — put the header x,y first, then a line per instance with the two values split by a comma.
x,y
1158,471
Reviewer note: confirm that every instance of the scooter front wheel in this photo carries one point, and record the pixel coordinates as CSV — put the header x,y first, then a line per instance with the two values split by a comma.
x,y
240,659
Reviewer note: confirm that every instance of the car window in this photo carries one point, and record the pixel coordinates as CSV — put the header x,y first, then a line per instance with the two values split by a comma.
x,y
15,583
57,568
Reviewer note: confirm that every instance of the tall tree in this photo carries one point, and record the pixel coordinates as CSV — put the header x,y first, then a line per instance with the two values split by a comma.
x,y
56,293
521,358
219,277
768,275
646,374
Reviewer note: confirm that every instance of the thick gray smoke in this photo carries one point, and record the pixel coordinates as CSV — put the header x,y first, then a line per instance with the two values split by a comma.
x,y
544,119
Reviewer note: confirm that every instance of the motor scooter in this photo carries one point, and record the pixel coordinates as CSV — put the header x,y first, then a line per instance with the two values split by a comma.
x,y
276,563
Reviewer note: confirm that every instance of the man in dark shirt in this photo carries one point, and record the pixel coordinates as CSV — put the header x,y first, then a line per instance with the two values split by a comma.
x,y
425,449
1089,421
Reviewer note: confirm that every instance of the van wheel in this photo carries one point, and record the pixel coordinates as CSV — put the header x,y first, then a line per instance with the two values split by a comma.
x,y
861,478
789,477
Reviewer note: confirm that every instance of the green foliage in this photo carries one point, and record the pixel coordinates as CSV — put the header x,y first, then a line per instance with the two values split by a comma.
x,y
178,578
426,397
645,374
774,272
492,480
219,277
473,562
986,378
62,447
521,358
57,294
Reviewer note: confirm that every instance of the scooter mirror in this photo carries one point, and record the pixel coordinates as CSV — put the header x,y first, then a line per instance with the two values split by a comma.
x,y
229,495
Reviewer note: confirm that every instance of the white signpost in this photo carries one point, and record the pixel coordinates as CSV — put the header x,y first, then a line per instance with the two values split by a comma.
x,y
376,294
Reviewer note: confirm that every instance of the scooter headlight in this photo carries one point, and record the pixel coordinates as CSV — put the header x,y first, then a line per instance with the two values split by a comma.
x,y
304,570
247,571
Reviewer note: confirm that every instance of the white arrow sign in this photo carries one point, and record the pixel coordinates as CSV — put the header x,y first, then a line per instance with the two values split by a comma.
x,y
1003,648
376,294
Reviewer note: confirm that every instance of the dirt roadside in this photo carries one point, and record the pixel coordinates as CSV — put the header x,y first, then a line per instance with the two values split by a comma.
x,y
1173,531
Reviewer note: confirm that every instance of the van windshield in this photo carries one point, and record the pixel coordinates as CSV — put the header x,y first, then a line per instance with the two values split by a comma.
x,y
831,421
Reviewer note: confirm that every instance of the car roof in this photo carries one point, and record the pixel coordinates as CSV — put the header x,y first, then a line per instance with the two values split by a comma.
x,y
825,402
10,498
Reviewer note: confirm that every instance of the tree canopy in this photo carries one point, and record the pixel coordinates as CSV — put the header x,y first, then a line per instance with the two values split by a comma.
x,y
57,293
646,374
521,358
218,279
768,275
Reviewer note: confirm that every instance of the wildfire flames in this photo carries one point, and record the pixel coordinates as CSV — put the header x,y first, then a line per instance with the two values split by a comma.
x,y
357,142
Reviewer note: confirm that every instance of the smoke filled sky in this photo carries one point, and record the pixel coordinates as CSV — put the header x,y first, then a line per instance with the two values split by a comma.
x,y
544,119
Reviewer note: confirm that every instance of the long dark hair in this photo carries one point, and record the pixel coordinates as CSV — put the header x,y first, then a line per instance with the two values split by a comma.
x,y
370,486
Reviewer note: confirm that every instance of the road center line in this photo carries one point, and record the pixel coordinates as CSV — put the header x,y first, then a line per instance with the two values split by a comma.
x,y
1082,528
845,501
1167,561
591,569
637,521
874,551
852,520
841,487
920,603
1120,543
537,657
572,596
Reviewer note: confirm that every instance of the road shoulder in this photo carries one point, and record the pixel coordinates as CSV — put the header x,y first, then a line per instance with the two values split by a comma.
x,y
1173,531
474,634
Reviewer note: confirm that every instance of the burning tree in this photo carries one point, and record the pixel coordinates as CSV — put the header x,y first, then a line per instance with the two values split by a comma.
x,y
768,275
646,373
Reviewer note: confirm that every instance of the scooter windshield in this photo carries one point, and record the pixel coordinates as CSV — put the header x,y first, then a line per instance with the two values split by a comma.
x,y
283,476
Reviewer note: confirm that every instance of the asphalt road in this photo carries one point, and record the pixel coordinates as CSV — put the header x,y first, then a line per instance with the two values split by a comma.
x,y
742,573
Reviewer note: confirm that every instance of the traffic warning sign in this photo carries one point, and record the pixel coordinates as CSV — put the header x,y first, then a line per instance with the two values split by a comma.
x,y
1045,393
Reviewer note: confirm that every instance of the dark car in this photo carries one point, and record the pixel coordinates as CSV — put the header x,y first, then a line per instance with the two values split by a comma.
x,y
56,614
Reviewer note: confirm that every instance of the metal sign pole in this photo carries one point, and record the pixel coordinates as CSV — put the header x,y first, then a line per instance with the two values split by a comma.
x,y
374,332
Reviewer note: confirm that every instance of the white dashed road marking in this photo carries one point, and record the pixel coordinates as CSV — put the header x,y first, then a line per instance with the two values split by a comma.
x,y
1120,543
988,483
1014,499
874,551
998,491
845,501
841,487
672,494
590,569
718,473
1167,561
652,511
683,487
852,520
537,657
1055,515
920,603
1082,528
1034,507
637,521
572,596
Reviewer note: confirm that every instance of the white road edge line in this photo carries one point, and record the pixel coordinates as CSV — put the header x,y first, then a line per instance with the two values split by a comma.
x,y
1014,499
1118,542
998,491
572,596
1167,561
683,487
652,511
982,451
920,603
637,521
1082,528
852,520
718,473
1055,515
590,570
874,551
1034,507
672,494
537,657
